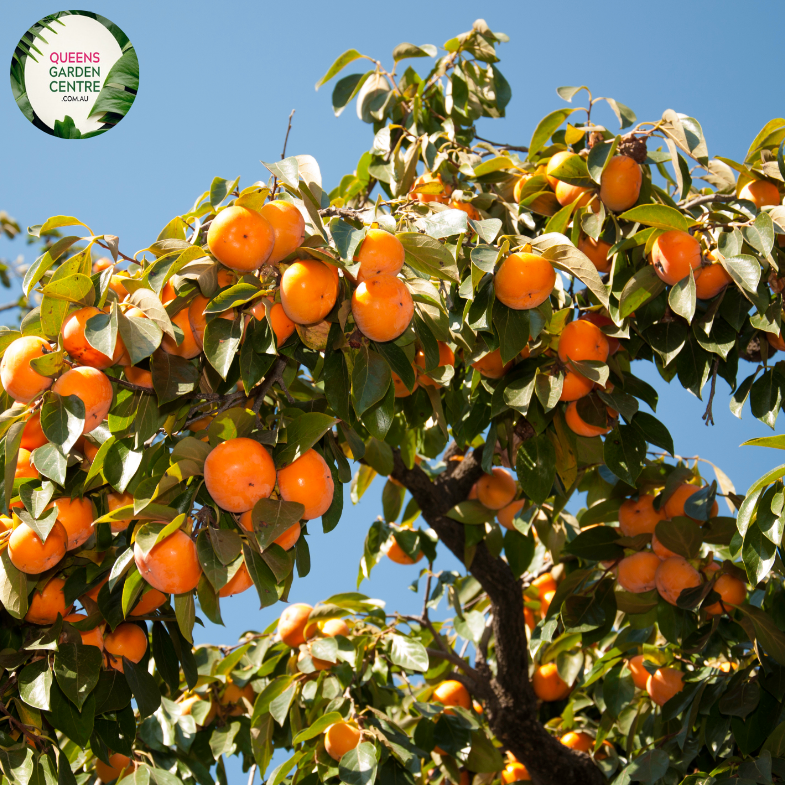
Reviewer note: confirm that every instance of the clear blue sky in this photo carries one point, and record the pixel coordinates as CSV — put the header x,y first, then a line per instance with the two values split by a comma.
x,y
218,81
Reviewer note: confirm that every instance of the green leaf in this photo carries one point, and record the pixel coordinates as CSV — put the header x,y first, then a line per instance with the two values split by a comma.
x,y
221,342
349,56
536,468
758,553
77,669
50,461
744,269
682,298
141,336
302,434
403,51
428,256
644,285
13,587
287,171
371,377
220,188
262,576
173,376
185,612
358,766
471,511
546,128
649,767
658,215
346,89
143,686
408,654
573,170
625,452
596,544
317,727
598,159
239,294
513,329
62,419
76,725
769,636
680,535
35,684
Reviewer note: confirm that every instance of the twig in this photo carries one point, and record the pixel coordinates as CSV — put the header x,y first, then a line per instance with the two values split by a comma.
x,y
274,374
133,387
446,652
119,252
21,725
502,144
252,774
708,415
697,202
9,306
427,595
283,153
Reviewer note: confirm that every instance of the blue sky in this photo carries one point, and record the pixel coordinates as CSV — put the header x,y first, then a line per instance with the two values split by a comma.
x,y
218,82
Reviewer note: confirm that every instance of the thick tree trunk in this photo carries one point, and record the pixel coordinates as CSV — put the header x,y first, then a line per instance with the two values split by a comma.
x,y
511,704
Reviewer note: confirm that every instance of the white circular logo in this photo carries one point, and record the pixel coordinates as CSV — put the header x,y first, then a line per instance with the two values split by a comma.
x,y
74,74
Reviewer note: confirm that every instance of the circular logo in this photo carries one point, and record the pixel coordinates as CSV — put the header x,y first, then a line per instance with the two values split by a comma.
x,y
74,74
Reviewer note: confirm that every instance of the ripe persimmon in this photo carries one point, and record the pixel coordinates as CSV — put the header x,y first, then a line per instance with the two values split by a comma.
x,y
660,549
491,365
497,489
115,501
289,538
761,193
138,376
118,287
77,517
25,466
94,637
128,640
638,516
398,555
673,576
545,583
308,480
172,565
309,289
319,665
620,183
545,602
149,601
596,251
548,685
241,239
452,693
515,771
119,764
710,280
732,592
93,593
640,676
446,357
528,618
188,348
575,386
93,388
401,390
197,321
327,628
579,741
282,325
556,160
664,684
523,281
568,194
288,228
20,380
99,265
467,208
601,320
235,697
238,583
33,434
76,344
238,473
673,254
636,572
579,426
292,624
32,556
382,307
506,515
675,504
379,253
581,340
88,448
340,738
46,604
431,177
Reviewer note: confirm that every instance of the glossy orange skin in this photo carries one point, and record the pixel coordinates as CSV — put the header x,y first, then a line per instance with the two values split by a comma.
x,y
597,251
282,325
309,481
575,386
236,697
515,772
580,741
241,239
523,281
578,426
94,637
110,773
172,565
601,320
118,287
168,293
556,160
128,641
238,583
115,501
33,433
660,549
673,254
401,390
496,490
674,575
19,379
636,572
77,517
87,448
452,693
197,319
380,253
640,676
548,685
638,516
288,227
675,504
150,600
24,466
545,602
467,208
506,515
567,194
327,628
292,624
189,348
99,265
382,307
732,592
138,376
491,365
238,473
545,583
289,538
776,342
29,555
340,738
45,605
446,357
581,340
664,684
620,184
397,554
309,289
430,177
710,281
761,193
93,388
528,618
75,341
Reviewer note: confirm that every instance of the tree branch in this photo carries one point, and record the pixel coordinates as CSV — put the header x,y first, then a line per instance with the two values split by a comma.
x,y
697,202
286,138
503,145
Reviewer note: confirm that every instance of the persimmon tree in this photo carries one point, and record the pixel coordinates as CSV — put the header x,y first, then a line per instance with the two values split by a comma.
x,y
458,318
